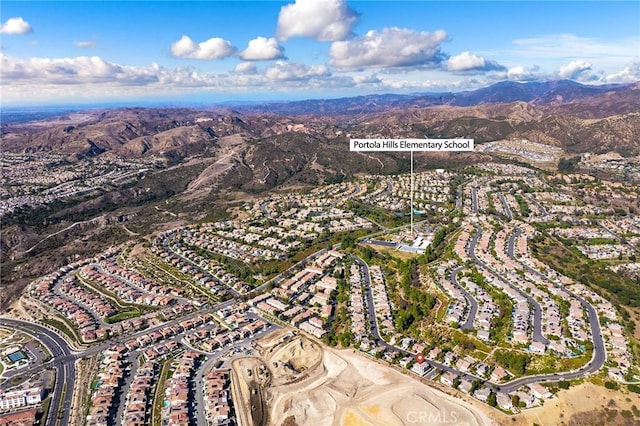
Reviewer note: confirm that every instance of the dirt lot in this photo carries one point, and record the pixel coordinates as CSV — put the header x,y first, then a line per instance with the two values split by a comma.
x,y
305,383
294,361
585,404
313,385
249,380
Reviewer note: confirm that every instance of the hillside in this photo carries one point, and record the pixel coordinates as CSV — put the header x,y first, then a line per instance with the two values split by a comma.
x,y
308,141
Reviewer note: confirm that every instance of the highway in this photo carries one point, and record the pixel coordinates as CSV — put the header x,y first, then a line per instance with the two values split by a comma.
x,y
62,362
472,304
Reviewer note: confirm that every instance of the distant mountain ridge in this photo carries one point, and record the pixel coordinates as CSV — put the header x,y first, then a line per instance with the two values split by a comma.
x,y
538,93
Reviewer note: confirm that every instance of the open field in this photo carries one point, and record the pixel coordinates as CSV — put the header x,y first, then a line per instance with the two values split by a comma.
x,y
402,255
585,404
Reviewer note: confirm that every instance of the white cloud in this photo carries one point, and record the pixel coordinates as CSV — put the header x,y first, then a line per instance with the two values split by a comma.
x,y
78,70
246,68
467,61
520,73
15,26
262,49
90,70
214,48
629,74
289,71
424,83
567,45
574,69
85,44
391,47
324,20
367,79
91,78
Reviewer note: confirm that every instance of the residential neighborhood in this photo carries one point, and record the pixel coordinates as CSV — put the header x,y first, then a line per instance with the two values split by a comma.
x,y
166,319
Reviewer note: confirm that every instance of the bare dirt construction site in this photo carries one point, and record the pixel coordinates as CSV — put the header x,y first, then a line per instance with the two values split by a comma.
x,y
585,404
296,381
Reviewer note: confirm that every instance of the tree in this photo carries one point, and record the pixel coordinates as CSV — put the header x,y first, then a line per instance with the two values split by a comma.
x,y
515,400
491,400
347,242
568,165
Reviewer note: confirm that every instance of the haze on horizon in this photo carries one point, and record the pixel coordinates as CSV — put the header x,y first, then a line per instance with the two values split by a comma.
x,y
209,51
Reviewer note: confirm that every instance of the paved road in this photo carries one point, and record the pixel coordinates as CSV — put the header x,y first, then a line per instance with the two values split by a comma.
x,y
597,361
64,357
348,196
200,415
618,237
375,332
471,301
381,243
198,378
537,311
65,369
543,210
371,310
389,188
505,206
90,310
278,278
167,247
599,352
263,207
133,362
474,200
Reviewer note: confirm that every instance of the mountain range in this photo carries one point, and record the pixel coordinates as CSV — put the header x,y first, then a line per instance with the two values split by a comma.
x,y
537,93
269,144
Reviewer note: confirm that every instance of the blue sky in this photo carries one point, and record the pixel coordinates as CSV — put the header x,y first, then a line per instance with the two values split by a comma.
x,y
93,51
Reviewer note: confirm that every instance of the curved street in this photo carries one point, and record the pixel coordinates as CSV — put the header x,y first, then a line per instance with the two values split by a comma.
x,y
597,361
63,362
64,357
472,304
537,311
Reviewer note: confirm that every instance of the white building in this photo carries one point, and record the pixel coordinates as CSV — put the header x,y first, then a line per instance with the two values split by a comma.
x,y
421,368
20,398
